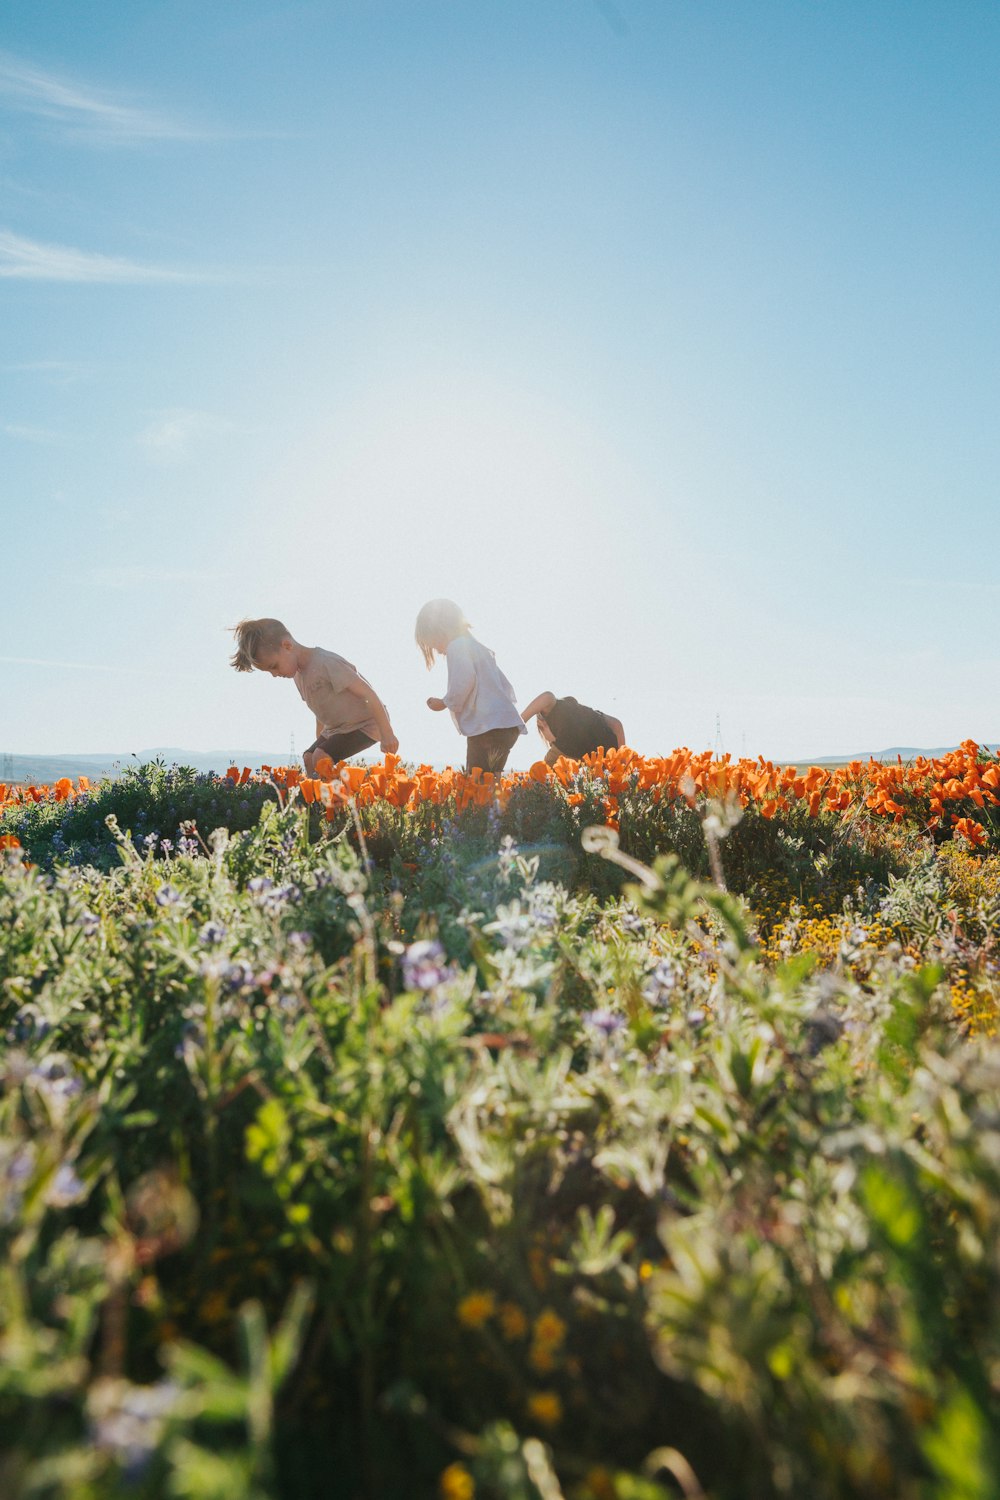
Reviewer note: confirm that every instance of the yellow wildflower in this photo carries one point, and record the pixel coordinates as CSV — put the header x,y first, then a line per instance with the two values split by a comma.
x,y
513,1322
550,1330
600,1483
538,1267
147,1294
476,1309
456,1483
546,1408
541,1359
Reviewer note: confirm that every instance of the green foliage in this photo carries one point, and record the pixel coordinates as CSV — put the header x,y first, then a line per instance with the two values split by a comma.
x,y
400,1163
149,802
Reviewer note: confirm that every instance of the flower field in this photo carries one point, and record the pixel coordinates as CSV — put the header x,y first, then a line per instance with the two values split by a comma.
x,y
628,1129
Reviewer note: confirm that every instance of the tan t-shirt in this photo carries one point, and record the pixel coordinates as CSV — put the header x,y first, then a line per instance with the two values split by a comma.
x,y
323,684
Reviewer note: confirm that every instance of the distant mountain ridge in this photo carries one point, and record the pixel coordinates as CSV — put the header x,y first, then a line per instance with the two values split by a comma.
x,y
895,752
48,768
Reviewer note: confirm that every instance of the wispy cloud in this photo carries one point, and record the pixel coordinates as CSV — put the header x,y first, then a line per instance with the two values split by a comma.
x,y
30,260
89,113
613,16
96,666
139,576
26,434
58,371
76,666
173,436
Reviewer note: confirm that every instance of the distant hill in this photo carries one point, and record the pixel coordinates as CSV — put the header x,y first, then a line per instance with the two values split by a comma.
x,y
895,752
48,768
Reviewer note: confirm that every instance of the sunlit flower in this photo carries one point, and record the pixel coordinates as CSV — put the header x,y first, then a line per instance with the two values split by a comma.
x,y
65,1188
424,965
600,1484
513,1321
545,1408
606,1022
56,1079
660,984
127,1421
542,1359
476,1309
549,1329
456,1483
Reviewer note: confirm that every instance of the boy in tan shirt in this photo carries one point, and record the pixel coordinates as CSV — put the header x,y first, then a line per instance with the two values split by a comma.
x,y
350,716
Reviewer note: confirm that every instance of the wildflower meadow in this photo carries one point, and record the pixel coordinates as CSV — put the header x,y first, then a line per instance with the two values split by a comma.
x,y
619,1130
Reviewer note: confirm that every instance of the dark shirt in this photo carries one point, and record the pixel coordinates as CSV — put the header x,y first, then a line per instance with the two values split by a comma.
x,y
579,730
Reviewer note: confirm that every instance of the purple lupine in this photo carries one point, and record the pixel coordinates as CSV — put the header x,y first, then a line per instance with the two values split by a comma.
x,y
660,983
424,965
606,1022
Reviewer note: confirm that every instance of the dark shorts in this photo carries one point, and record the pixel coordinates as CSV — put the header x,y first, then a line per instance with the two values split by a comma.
x,y
489,751
579,730
340,746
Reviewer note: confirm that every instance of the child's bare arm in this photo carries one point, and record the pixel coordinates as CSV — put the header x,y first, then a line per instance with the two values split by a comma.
x,y
364,690
543,704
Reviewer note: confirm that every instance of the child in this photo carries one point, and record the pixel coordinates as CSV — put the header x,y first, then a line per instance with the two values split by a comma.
x,y
350,716
481,699
572,729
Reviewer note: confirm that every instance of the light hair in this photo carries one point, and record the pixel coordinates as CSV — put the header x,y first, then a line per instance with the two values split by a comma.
x,y
440,619
254,639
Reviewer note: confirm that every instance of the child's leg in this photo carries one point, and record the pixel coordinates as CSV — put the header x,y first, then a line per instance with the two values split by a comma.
x,y
489,751
337,747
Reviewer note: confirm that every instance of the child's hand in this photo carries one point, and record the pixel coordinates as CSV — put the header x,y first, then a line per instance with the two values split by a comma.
x,y
437,704
389,745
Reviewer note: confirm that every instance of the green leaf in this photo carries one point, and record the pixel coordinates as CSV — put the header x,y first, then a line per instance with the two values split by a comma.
x,y
267,1140
958,1449
892,1204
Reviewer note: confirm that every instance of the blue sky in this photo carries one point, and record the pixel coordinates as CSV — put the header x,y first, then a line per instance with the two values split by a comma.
x,y
661,334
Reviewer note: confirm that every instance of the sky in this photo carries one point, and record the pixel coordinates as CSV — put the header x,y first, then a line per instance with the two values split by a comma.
x,y
662,335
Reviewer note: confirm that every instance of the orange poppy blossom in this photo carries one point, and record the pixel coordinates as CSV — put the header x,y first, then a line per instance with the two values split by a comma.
x,y
974,832
918,791
941,792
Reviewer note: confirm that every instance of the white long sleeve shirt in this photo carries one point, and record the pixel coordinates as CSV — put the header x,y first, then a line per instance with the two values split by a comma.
x,y
479,696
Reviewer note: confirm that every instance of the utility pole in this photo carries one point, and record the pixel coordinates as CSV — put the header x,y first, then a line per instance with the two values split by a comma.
x,y
718,734
7,767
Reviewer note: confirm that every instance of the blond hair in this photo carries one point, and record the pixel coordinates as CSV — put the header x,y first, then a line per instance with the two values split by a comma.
x,y
440,619
255,638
